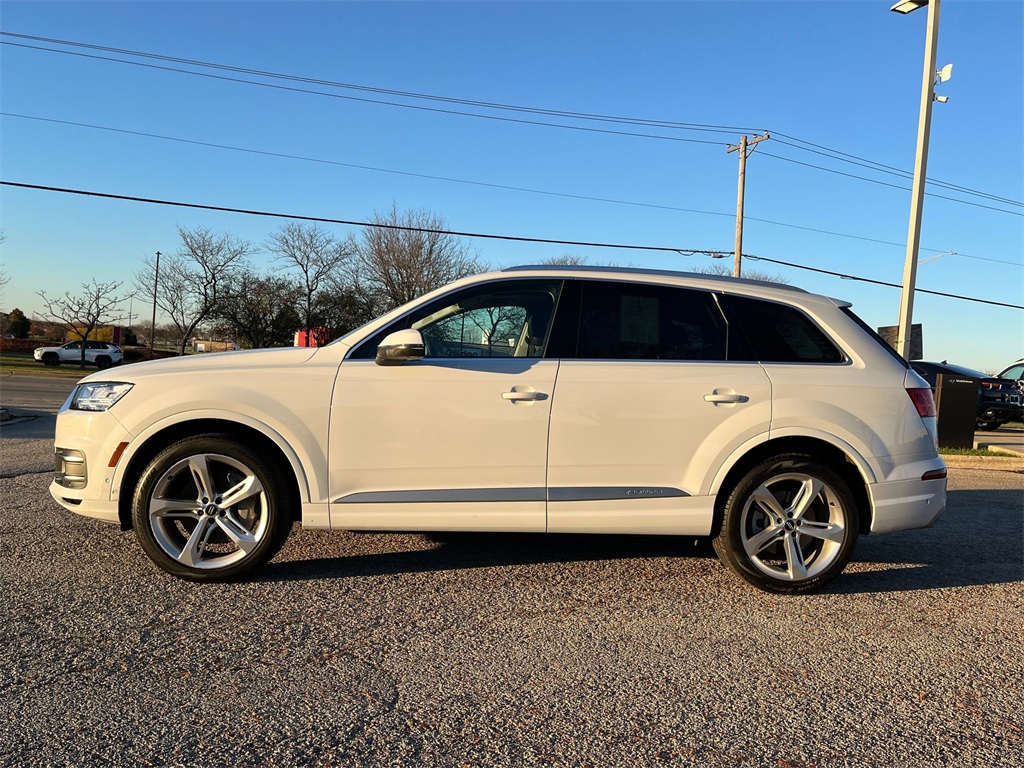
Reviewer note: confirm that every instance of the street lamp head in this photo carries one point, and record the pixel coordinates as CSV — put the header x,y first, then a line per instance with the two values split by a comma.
x,y
906,6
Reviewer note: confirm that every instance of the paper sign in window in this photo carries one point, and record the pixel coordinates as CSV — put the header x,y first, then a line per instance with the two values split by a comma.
x,y
638,319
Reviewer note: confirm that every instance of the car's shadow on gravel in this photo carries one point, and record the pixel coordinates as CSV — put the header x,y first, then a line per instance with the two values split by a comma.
x,y
977,542
456,551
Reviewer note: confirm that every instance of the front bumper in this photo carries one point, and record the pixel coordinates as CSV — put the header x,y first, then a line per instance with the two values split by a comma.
x,y
99,509
84,444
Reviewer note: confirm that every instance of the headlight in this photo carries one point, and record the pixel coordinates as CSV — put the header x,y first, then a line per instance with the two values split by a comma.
x,y
98,395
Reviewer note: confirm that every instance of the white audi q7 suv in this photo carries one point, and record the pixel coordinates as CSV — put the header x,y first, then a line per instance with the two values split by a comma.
x,y
547,399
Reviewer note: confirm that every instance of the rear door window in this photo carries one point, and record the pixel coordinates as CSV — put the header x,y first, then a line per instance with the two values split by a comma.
x,y
634,321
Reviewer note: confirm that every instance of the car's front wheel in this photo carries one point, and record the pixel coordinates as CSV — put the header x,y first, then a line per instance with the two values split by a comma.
x,y
51,358
208,508
790,525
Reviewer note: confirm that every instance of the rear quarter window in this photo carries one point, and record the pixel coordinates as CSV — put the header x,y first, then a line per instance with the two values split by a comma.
x,y
777,333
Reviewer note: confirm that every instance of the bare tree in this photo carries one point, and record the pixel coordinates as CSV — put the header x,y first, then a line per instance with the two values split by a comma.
x,y
4,277
194,282
80,315
748,274
404,255
566,260
315,254
499,325
262,311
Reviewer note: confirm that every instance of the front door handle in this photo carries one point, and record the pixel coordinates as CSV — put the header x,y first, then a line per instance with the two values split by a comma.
x,y
518,396
731,397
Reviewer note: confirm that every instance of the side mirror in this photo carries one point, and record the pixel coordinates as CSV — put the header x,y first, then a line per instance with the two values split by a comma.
x,y
401,347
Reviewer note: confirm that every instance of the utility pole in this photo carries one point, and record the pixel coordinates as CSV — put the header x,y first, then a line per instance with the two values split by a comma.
x,y
152,327
745,147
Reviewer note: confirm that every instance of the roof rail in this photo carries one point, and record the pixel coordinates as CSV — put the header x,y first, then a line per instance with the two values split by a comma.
x,y
724,279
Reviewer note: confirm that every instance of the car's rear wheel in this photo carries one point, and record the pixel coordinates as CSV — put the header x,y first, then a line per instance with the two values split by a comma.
x,y
208,508
51,358
988,426
102,362
790,525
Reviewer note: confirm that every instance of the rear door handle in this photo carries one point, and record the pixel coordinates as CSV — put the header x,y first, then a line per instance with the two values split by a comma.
x,y
725,398
516,396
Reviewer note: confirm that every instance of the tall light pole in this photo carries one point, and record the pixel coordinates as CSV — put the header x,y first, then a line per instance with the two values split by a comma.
x,y
920,166
152,326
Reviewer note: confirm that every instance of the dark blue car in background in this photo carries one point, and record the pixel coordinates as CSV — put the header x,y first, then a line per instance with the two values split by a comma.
x,y
999,400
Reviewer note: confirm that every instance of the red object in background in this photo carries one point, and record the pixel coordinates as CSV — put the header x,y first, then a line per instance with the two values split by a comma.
x,y
307,338
117,335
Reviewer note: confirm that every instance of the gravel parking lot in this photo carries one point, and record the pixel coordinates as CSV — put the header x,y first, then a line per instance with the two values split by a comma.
x,y
486,650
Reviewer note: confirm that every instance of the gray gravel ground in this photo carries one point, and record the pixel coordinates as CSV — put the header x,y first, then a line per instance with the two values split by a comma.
x,y
485,650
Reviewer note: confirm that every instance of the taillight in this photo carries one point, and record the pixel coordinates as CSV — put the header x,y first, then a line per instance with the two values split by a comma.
x,y
935,474
923,401
991,385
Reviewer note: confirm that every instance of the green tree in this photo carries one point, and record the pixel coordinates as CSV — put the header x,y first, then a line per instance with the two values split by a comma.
x,y
339,308
261,312
18,325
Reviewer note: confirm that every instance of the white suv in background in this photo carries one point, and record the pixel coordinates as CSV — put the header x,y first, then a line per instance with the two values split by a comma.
x,y
547,399
98,353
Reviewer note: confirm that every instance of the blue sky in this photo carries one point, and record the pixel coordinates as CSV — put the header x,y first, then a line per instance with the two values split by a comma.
x,y
843,75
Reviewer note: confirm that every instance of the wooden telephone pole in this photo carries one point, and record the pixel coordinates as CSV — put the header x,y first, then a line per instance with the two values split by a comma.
x,y
745,147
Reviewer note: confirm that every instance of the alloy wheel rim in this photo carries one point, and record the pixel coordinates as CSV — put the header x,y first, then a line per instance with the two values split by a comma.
x,y
208,511
793,527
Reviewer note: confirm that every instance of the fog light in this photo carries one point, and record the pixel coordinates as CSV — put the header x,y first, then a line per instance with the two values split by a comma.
x,y
69,467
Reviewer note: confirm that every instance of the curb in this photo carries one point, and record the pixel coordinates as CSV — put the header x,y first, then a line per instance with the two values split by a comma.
x,y
1008,463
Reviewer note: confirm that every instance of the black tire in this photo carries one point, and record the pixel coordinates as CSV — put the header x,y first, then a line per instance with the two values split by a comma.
x,y
102,362
988,426
51,359
790,525
184,517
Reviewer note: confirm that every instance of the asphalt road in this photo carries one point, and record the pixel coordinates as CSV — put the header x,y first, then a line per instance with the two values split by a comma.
x,y
486,650
35,393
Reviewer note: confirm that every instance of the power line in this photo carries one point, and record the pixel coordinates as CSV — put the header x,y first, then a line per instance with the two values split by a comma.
x,y
491,236
887,184
325,161
834,154
880,282
388,91
421,108
300,217
491,185
801,145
